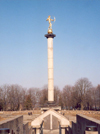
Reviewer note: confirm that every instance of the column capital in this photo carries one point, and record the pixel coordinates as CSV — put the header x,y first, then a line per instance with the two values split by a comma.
x,y
50,35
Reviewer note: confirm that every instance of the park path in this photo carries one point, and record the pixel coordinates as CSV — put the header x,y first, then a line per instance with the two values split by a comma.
x,y
51,131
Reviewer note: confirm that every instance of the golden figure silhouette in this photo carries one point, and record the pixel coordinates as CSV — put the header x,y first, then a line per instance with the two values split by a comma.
x,y
49,20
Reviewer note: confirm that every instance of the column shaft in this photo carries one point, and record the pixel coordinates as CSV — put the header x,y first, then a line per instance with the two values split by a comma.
x,y
50,71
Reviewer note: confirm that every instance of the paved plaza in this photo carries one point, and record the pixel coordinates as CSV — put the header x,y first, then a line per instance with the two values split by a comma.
x,y
51,131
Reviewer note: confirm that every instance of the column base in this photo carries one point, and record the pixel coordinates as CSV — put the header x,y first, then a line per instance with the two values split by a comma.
x,y
50,104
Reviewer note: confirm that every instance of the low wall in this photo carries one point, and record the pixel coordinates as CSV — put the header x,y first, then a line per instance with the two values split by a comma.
x,y
82,122
74,127
27,129
14,124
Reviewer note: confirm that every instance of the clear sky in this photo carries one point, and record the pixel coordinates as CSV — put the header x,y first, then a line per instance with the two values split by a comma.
x,y
23,47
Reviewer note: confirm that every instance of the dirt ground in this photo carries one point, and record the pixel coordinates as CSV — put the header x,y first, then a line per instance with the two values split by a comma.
x,y
4,115
1,118
93,114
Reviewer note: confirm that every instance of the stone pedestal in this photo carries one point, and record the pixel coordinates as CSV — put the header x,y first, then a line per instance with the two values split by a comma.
x,y
49,105
56,108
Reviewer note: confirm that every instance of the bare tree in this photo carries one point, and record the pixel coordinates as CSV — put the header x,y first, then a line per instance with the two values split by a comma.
x,y
1,99
98,95
82,86
4,96
23,94
28,102
38,96
67,93
75,100
61,99
56,95
90,99
33,94
14,96
43,96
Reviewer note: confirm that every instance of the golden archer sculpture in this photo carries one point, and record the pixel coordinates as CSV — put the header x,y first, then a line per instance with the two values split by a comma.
x,y
50,24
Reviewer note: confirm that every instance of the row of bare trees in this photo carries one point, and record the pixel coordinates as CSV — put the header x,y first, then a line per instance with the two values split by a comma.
x,y
15,97
80,96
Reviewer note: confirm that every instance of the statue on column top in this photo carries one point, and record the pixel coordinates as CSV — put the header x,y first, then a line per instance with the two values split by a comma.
x,y
50,24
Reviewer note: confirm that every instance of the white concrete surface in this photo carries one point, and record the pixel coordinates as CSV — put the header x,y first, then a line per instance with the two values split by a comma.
x,y
51,131
62,120
63,131
50,70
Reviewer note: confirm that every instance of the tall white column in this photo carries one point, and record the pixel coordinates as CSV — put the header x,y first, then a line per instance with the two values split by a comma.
x,y
50,67
50,71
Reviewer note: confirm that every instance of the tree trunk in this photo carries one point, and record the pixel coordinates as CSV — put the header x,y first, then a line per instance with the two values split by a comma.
x,y
81,106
